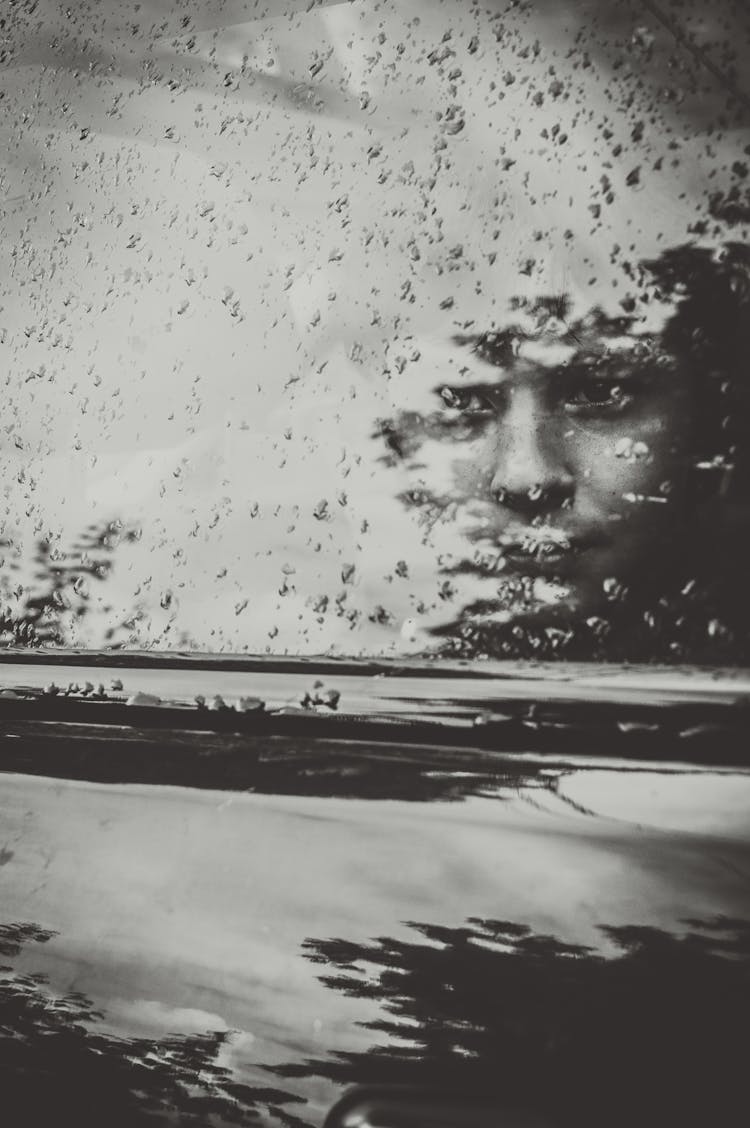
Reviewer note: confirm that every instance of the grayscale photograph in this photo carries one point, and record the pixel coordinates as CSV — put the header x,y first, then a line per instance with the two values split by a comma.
x,y
375,563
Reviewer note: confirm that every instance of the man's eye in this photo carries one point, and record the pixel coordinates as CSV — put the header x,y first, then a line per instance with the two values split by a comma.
x,y
464,400
599,395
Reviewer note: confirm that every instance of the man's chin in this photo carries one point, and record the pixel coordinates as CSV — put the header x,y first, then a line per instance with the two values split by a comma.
x,y
536,607
527,598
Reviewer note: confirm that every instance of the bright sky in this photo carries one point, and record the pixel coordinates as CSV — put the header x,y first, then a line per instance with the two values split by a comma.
x,y
210,212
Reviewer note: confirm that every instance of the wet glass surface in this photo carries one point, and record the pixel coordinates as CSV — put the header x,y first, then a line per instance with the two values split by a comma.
x,y
390,329
376,328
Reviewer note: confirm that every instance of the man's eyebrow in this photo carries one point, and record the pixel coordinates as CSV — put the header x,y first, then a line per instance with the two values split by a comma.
x,y
495,347
473,386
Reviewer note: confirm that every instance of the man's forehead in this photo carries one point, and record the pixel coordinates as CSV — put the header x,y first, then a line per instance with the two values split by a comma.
x,y
463,357
558,318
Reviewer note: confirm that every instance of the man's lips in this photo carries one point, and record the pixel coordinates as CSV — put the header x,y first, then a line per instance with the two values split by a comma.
x,y
540,553
537,551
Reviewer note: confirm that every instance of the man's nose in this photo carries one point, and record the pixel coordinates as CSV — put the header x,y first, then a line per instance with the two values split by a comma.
x,y
530,472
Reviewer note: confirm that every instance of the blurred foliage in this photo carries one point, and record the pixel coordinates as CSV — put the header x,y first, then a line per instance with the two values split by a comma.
x,y
47,611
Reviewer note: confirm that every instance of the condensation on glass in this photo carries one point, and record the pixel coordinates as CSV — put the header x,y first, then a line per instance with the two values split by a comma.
x,y
376,327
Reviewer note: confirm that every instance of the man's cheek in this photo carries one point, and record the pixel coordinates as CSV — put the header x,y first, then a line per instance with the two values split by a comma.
x,y
629,469
468,468
449,471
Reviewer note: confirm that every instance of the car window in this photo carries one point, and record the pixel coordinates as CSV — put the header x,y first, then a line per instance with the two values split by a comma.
x,y
376,328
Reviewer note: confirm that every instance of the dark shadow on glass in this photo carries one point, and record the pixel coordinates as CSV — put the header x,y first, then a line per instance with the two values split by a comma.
x,y
431,762
652,1035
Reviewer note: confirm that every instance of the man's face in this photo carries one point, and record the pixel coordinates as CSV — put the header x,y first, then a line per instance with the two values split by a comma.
x,y
546,463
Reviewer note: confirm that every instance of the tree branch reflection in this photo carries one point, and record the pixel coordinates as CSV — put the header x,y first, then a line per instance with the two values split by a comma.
x,y
652,1034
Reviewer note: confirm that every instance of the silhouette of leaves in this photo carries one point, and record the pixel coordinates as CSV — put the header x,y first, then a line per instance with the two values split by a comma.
x,y
651,1035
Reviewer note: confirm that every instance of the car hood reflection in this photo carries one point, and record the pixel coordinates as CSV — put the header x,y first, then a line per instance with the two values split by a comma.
x,y
652,1035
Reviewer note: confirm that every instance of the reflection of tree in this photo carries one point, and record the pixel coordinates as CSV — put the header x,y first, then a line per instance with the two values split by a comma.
x,y
55,1068
656,1035
61,596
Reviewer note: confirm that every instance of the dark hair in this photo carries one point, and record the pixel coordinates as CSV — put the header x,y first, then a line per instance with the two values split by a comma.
x,y
709,333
